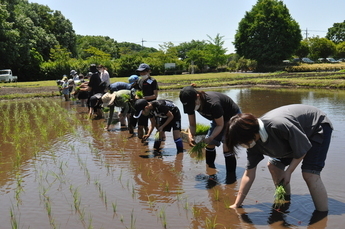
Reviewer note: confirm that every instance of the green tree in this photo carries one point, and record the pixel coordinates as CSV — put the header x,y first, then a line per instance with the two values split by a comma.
x,y
336,33
8,40
102,43
321,48
198,58
267,33
216,52
341,49
303,49
185,47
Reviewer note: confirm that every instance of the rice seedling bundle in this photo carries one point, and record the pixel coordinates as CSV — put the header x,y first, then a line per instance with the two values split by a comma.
x,y
126,98
197,150
279,196
201,129
106,109
139,94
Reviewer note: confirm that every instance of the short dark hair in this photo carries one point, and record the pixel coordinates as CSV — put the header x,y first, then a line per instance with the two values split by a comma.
x,y
241,129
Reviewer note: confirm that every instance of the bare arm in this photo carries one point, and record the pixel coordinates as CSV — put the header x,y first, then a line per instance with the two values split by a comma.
x,y
246,183
288,172
169,119
151,128
217,129
192,129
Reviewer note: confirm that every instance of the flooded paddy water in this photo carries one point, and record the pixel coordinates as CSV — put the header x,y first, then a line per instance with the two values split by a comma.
x,y
60,170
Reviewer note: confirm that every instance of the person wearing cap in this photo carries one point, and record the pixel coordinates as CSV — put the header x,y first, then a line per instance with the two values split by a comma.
x,y
289,135
65,88
164,115
123,99
123,85
74,75
149,86
218,108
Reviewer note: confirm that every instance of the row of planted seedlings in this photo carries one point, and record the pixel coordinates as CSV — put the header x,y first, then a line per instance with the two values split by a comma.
x,y
36,121
28,127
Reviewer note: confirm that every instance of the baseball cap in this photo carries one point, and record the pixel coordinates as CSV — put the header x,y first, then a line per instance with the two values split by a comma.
x,y
133,78
143,67
188,97
139,106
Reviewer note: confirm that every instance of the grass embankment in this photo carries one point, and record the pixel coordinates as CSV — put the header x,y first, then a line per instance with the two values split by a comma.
x,y
304,79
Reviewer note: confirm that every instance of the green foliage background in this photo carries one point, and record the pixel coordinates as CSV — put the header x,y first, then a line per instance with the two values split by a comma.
x,y
39,43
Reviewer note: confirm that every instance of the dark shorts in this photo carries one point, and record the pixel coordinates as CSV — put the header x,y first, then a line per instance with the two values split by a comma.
x,y
95,101
220,138
143,121
314,160
175,124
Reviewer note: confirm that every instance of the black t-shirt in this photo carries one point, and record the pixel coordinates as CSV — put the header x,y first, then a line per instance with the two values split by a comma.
x,y
218,104
148,86
95,84
162,106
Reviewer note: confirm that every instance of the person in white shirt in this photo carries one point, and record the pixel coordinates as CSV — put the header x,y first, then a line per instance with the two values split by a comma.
x,y
104,75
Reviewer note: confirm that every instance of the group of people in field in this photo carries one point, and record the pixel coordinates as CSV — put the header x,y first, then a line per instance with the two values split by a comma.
x,y
289,135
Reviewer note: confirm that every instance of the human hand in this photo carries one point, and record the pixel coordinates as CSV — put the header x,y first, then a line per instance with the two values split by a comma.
x,y
208,140
145,137
286,178
191,141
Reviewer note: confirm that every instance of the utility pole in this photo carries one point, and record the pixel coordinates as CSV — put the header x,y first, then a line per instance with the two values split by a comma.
x,y
142,43
306,33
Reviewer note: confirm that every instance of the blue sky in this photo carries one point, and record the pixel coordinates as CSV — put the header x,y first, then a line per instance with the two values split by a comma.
x,y
159,21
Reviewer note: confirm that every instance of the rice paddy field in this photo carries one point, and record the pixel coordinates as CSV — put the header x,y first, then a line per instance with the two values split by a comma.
x,y
59,169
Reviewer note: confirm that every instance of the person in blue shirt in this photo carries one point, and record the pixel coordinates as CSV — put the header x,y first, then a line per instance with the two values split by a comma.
x,y
117,86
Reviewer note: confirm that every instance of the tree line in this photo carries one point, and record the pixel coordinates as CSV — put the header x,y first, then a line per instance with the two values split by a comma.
x,y
39,43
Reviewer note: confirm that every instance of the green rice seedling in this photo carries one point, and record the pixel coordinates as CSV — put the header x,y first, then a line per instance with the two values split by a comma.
x,y
197,150
14,222
150,201
196,211
139,94
211,224
90,222
167,186
216,194
162,215
157,136
126,98
106,109
114,206
133,220
201,129
279,196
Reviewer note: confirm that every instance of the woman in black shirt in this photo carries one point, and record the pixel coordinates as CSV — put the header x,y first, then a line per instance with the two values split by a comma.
x,y
218,108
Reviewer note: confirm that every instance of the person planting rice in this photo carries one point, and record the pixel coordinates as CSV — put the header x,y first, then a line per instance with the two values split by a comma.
x,y
164,115
218,108
149,88
123,99
289,135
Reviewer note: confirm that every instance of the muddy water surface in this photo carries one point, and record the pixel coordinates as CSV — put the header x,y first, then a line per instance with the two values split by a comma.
x,y
60,170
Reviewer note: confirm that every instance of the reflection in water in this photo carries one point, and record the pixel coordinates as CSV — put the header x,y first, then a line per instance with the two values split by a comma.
x,y
59,169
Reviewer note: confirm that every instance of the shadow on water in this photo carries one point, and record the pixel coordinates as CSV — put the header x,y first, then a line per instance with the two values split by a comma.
x,y
290,214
